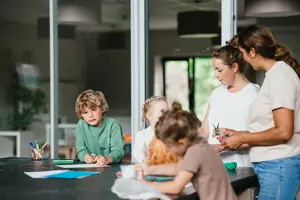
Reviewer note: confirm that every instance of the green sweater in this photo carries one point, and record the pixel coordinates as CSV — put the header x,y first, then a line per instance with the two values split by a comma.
x,y
105,140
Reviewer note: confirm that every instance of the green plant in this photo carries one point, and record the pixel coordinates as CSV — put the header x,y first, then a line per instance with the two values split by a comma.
x,y
27,104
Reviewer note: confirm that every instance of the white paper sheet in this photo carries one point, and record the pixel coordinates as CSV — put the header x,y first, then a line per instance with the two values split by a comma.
x,y
43,174
80,166
133,189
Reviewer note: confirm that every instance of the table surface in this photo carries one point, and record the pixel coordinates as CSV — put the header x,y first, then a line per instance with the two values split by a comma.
x,y
15,185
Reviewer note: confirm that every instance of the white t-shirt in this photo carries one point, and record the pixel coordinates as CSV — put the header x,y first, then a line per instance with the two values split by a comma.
x,y
141,144
280,89
231,110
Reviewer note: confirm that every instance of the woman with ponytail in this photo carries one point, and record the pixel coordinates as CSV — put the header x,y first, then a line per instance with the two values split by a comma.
x,y
274,122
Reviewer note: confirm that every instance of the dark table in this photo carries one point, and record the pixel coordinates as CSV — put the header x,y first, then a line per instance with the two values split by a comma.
x,y
15,185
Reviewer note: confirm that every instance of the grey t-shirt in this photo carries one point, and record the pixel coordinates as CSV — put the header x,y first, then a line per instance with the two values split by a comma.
x,y
211,179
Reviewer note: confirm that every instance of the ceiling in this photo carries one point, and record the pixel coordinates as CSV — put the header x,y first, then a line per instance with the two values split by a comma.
x,y
115,13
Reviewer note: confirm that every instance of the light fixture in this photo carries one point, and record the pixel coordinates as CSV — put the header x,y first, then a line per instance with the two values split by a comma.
x,y
272,8
74,13
198,24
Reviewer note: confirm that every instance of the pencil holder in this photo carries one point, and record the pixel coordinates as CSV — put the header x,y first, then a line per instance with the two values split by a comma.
x,y
37,154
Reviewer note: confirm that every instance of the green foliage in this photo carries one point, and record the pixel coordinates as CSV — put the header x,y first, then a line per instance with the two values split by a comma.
x,y
205,83
27,105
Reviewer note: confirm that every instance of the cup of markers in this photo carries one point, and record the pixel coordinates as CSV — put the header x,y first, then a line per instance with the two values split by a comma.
x,y
37,150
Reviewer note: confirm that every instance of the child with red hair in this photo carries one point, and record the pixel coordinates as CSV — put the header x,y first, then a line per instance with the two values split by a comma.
x,y
147,148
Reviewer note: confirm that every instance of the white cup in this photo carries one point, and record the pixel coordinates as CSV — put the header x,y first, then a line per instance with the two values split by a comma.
x,y
128,171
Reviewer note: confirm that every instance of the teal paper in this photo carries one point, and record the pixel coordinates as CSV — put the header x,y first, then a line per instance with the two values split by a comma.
x,y
158,178
72,174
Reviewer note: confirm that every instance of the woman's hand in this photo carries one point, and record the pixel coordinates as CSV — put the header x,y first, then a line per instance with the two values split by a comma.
x,y
228,132
232,139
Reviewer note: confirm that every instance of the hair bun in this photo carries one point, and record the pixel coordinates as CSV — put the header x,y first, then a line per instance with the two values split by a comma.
x,y
234,41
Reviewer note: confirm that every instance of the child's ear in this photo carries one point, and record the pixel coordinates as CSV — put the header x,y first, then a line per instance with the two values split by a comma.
x,y
181,141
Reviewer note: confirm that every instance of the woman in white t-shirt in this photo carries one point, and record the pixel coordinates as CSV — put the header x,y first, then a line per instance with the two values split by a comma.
x,y
229,104
274,127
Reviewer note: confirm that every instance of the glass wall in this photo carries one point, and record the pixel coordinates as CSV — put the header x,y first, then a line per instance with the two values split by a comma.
x,y
24,69
93,53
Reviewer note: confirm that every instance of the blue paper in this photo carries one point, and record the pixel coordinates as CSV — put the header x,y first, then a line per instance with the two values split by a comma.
x,y
72,174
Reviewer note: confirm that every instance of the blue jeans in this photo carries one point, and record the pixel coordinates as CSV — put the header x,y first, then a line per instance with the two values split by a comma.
x,y
278,179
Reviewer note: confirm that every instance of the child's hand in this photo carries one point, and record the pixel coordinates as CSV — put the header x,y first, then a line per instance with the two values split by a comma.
x,y
146,162
217,147
88,159
101,160
145,168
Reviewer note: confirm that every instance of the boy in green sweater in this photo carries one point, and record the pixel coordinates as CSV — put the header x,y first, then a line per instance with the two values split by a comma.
x,y
98,139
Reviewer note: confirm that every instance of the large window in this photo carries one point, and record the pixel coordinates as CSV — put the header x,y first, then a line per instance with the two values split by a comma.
x,y
205,82
190,81
177,82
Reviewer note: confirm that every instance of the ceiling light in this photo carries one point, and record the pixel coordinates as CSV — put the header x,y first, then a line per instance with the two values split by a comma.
x,y
198,24
272,8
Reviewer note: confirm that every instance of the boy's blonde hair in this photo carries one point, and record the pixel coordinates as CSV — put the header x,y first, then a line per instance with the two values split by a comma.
x,y
90,99
148,104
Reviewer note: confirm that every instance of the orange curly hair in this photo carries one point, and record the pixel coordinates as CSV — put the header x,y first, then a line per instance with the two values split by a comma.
x,y
158,153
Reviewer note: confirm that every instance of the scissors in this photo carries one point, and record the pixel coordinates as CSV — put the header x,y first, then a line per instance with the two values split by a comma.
x,y
217,133
216,130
